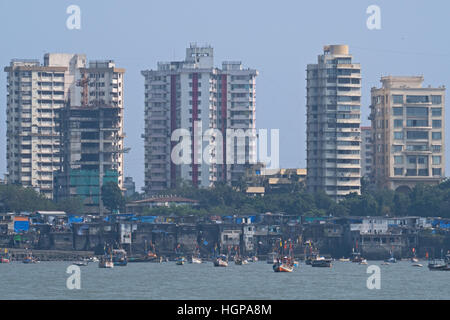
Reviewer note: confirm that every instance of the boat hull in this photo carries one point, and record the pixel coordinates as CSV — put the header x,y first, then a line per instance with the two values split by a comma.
x,y
321,264
439,267
220,263
282,268
106,264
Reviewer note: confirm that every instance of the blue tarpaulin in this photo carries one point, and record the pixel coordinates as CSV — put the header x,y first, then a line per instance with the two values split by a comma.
x,y
75,219
21,226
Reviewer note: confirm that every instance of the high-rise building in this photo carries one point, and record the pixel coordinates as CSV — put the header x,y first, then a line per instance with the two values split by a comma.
x,y
366,152
35,95
92,136
130,186
408,131
181,93
333,123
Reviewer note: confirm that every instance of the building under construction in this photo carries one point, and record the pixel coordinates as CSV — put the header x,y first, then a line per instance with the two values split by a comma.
x,y
92,137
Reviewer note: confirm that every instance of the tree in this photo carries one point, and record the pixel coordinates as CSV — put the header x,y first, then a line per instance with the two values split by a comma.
x,y
71,205
112,197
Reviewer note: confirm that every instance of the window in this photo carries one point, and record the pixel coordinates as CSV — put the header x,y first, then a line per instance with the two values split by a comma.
x,y
423,172
398,171
436,135
417,111
421,160
436,112
411,172
398,123
417,123
437,172
436,148
417,99
417,135
398,135
397,148
436,99
398,111
397,98
436,160
398,159
412,159
437,124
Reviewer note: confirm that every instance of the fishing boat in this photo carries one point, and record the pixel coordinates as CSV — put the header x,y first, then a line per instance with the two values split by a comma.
x,y
29,258
417,265
344,259
363,261
180,261
283,265
106,262
81,263
5,257
321,262
414,258
119,257
442,264
196,260
391,259
438,266
93,259
221,261
356,257
253,259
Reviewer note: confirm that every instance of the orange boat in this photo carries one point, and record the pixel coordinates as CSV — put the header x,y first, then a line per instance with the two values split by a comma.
x,y
285,265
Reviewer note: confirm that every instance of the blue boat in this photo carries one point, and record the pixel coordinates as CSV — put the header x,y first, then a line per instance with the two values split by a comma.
x,y
120,257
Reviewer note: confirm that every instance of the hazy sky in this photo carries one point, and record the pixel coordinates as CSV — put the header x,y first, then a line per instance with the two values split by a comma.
x,y
278,38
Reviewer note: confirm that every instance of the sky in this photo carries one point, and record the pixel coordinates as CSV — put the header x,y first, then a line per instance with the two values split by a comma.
x,y
278,38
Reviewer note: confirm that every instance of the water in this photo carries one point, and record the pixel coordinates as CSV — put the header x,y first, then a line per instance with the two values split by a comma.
x,y
345,280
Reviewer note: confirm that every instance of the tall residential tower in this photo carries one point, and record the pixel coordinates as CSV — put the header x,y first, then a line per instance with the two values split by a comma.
x,y
36,95
333,123
408,131
180,94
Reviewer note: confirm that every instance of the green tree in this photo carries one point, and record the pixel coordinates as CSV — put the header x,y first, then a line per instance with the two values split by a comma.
x,y
112,197
71,205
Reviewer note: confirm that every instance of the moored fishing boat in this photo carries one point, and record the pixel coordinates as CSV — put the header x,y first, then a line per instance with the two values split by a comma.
x,y
391,259
363,261
106,262
283,265
322,262
344,259
180,261
119,257
81,263
196,260
438,266
29,258
356,257
5,257
221,261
